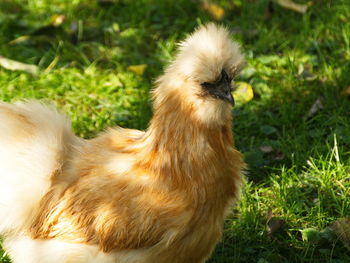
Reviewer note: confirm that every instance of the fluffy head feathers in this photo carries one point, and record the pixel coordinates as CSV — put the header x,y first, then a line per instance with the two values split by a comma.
x,y
208,51
201,58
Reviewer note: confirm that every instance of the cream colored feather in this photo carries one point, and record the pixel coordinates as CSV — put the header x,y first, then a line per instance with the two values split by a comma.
x,y
126,196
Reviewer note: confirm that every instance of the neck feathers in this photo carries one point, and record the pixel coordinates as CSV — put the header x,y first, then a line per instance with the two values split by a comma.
x,y
180,144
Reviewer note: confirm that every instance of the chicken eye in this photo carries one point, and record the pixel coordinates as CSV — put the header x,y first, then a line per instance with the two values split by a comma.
x,y
224,78
206,85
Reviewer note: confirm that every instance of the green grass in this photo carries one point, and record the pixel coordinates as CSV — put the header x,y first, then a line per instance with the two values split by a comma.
x,y
305,180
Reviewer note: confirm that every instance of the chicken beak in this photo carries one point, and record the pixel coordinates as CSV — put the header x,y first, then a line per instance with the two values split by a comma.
x,y
226,92
229,98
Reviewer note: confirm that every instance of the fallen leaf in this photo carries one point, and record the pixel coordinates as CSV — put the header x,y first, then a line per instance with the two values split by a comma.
x,y
277,156
308,75
15,65
341,228
138,69
266,149
323,79
306,72
214,10
57,20
273,224
345,92
316,107
300,69
243,93
289,4
272,154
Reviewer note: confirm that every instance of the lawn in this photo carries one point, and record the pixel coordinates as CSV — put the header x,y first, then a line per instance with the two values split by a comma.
x,y
294,133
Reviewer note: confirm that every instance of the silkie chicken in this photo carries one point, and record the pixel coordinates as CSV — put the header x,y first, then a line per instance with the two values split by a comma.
x,y
127,196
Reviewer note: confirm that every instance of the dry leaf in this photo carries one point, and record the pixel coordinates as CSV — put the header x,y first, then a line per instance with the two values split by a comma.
x,y
316,107
345,92
243,92
289,4
341,228
15,65
305,72
57,20
273,154
214,10
277,156
138,69
273,224
266,149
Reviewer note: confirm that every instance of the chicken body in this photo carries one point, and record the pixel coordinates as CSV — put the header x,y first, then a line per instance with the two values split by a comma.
x,y
126,196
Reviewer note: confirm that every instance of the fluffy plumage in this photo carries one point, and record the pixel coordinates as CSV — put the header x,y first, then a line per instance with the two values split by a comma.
x,y
126,196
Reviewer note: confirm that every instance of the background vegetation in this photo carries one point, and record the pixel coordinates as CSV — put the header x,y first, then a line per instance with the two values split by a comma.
x,y
294,133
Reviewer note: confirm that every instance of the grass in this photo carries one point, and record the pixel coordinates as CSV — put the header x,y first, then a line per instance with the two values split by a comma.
x,y
293,60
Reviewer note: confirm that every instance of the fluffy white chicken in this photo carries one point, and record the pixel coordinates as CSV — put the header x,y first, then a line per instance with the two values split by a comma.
x,y
127,196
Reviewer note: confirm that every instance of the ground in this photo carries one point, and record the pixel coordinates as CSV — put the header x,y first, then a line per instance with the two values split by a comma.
x,y
294,133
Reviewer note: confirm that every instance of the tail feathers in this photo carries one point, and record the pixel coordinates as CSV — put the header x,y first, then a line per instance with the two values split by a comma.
x,y
33,141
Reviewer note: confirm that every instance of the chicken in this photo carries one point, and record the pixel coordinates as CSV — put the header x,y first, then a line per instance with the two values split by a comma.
x,y
127,196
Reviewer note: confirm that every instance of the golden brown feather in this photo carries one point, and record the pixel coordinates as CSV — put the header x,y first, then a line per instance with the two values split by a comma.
x,y
129,196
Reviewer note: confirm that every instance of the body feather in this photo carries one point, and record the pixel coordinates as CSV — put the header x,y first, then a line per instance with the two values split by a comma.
x,y
126,196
